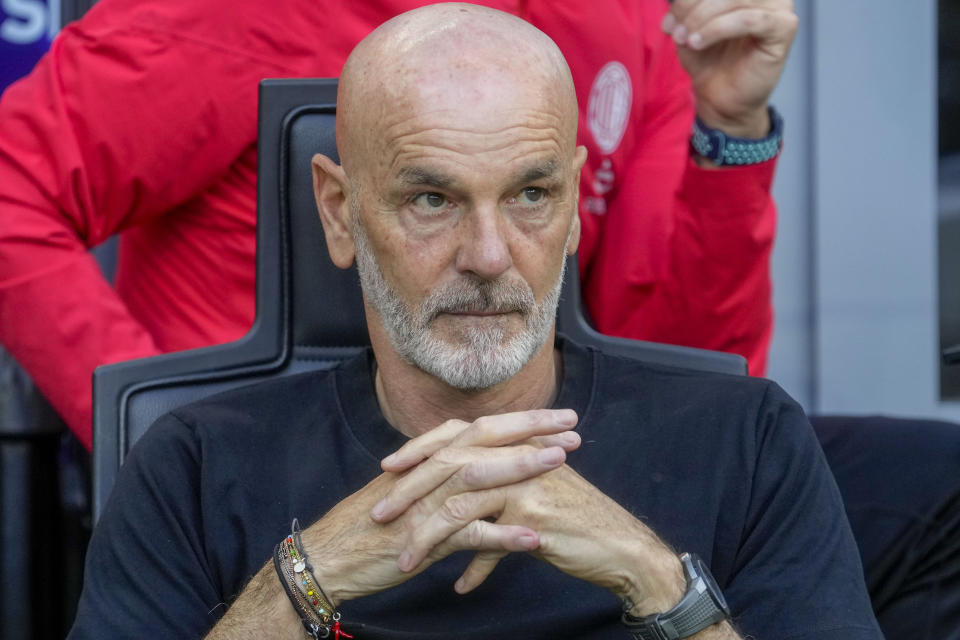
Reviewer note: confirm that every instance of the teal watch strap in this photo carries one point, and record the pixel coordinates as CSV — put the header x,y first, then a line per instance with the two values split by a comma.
x,y
722,149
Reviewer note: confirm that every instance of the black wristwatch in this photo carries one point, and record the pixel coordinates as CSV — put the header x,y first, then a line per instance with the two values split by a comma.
x,y
701,606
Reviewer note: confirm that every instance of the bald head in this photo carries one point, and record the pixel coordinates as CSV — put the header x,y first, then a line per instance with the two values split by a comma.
x,y
456,127
449,57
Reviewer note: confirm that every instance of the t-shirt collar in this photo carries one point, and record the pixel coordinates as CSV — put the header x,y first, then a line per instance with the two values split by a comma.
x,y
361,410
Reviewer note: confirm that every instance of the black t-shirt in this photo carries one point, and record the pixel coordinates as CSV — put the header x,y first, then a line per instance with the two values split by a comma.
x,y
723,466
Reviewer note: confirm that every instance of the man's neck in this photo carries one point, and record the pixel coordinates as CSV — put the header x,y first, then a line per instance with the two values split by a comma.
x,y
434,402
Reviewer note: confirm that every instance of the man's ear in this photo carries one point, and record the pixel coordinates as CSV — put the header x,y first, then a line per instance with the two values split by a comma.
x,y
574,240
330,192
579,158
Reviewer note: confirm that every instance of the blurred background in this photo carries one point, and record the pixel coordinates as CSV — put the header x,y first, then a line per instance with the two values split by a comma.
x,y
867,262
866,266
44,471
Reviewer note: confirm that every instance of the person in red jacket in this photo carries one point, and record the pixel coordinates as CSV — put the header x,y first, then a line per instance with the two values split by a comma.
x,y
142,121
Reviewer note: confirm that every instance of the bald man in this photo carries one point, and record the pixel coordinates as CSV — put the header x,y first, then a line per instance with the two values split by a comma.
x,y
457,198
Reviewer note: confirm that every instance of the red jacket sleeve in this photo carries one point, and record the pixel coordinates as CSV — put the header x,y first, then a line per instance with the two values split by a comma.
x,y
682,254
79,161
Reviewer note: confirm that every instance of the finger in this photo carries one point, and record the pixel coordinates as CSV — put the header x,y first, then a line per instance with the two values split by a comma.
x,y
685,20
510,428
459,523
764,26
424,446
707,10
467,470
478,535
477,571
489,431
682,10
568,441
677,13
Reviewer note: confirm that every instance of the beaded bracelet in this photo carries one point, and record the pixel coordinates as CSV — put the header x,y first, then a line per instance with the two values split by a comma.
x,y
314,627
317,614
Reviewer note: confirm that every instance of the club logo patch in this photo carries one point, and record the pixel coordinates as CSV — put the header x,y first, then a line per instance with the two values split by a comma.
x,y
608,108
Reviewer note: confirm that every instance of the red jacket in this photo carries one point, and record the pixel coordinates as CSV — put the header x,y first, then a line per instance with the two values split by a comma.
x,y
142,120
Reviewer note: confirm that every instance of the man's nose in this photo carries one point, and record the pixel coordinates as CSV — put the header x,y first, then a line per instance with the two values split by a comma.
x,y
484,250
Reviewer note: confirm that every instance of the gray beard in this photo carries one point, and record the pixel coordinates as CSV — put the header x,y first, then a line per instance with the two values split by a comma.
x,y
486,357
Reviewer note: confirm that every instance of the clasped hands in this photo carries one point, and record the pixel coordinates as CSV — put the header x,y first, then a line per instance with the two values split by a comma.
x,y
497,485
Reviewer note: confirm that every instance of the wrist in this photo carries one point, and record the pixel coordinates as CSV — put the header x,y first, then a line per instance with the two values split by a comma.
x,y
309,600
702,606
752,125
656,588
718,147
326,572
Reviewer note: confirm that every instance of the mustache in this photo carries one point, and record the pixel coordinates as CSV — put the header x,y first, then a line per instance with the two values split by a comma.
x,y
479,296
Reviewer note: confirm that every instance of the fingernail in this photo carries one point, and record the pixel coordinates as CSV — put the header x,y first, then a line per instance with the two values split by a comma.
x,y
669,22
569,437
404,561
550,456
390,459
695,41
460,585
379,509
566,417
680,35
528,541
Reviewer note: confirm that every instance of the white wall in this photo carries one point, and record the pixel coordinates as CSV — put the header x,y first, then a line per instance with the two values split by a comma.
x,y
855,264
791,354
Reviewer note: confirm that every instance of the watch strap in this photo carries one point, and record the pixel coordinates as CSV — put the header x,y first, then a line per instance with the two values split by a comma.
x,y
726,150
700,615
697,609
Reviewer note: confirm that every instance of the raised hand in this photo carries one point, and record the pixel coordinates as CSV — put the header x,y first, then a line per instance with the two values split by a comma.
x,y
734,51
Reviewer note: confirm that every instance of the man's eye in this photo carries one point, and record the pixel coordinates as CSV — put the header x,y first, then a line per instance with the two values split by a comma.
x,y
531,195
430,200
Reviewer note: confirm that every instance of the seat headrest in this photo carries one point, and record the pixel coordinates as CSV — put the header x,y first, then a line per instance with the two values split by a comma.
x,y
327,305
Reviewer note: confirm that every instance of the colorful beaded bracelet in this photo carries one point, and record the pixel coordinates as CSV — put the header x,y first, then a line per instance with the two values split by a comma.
x,y
317,613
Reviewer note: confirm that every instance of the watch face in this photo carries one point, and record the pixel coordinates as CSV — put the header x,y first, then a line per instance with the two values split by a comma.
x,y
712,586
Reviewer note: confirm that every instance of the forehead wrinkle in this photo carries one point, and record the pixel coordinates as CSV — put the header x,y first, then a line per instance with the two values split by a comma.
x,y
438,120
518,141
409,161
467,142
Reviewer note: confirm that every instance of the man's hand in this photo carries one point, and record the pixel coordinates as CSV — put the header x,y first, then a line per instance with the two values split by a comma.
x,y
580,530
734,51
354,555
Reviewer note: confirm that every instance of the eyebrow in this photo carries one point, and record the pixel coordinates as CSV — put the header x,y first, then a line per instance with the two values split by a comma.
x,y
546,170
420,176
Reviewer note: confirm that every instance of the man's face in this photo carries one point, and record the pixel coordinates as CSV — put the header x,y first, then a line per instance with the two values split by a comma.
x,y
462,220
